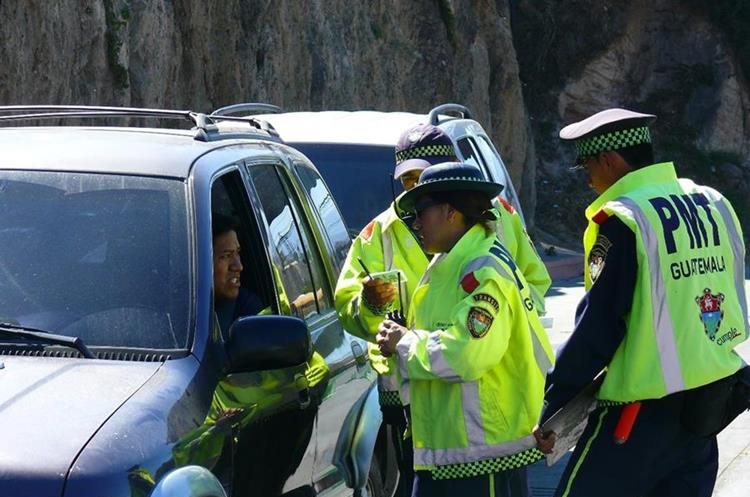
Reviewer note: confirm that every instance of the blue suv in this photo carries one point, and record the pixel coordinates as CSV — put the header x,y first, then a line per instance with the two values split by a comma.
x,y
116,377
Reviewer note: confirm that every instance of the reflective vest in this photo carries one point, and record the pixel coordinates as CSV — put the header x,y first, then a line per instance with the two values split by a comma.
x,y
512,234
475,360
689,310
383,245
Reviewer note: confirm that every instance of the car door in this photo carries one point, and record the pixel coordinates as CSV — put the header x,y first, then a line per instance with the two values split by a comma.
x,y
301,256
352,374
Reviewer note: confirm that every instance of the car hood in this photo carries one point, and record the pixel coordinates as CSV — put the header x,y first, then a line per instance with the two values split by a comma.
x,y
50,408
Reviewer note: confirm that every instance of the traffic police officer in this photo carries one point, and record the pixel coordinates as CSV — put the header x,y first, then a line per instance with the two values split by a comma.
x,y
664,309
476,354
385,244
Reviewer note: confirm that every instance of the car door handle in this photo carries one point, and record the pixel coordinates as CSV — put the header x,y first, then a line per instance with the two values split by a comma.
x,y
360,355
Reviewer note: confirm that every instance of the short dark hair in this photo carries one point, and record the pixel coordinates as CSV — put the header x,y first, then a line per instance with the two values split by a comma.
x,y
223,223
638,156
472,204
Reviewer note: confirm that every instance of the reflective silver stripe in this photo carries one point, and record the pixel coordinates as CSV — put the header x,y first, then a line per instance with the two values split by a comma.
x,y
540,356
737,249
472,413
438,363
427,456
428,272
404,392
387,250
403,348
388,382
487,261
662,321
497,226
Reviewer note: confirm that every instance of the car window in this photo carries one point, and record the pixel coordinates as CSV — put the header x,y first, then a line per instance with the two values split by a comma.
x,y
297,268
468,148
101,257
346,168
241,280
330,218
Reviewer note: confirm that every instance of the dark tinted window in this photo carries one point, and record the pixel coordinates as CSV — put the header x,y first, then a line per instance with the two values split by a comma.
x,y
332,224
297,268
359,177
102,257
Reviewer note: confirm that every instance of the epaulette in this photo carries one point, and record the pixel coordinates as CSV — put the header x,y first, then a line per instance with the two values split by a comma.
x,y
366,232
506,204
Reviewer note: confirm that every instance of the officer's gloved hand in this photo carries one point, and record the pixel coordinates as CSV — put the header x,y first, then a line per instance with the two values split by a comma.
x,y
377,293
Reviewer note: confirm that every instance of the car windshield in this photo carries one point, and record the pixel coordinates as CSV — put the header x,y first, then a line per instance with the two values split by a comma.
x,y
359,177
100,257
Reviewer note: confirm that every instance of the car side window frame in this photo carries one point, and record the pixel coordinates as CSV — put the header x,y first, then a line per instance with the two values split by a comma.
x,y
300,221
331,260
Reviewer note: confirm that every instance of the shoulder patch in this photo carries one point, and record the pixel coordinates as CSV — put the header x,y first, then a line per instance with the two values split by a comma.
x,y
600,217
484,297
366,232
598,256
506,204
469,283
478,322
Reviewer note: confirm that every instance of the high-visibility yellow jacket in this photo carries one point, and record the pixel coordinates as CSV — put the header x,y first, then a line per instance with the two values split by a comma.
x,y
475,361
386,243
689,310
512,234
383,245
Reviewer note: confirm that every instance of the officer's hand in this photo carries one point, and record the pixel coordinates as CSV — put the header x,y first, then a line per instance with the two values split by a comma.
x,y
378,292
545,442
389,333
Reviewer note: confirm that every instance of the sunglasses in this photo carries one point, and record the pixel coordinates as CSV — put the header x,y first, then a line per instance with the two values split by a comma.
x,y
420,207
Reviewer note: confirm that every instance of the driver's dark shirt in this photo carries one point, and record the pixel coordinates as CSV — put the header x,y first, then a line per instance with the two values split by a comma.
x,y
247,303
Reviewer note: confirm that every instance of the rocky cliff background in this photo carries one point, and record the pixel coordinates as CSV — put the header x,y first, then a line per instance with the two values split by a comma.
x,y
524,67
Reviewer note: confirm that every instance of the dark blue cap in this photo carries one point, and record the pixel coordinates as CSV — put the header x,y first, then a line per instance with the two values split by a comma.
x,y
421,146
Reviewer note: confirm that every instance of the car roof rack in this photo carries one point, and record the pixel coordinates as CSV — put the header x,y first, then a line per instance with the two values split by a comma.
x,y
248,108
204,128
462,111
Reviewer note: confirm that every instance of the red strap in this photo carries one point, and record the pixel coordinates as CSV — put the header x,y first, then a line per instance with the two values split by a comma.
x,y
469,283
600,217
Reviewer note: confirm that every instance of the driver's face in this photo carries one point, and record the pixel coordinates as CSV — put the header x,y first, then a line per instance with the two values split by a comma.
x,y
227,266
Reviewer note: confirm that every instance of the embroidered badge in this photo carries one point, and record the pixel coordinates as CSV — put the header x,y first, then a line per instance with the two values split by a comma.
x,y
598,256
478,322
711,312
483,297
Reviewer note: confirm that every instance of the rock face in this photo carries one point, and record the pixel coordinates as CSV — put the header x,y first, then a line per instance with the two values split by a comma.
x,y
524,68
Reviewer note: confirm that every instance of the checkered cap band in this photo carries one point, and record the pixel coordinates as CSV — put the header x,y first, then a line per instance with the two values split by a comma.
x,y
613,141
452,178
388,398
479,468
425,151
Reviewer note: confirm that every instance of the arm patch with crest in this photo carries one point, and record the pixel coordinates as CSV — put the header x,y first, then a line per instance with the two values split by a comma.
x,y
478,322
598,256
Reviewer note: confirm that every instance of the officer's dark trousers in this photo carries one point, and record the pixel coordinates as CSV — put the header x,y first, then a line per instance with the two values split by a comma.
x,y
511,483
660,459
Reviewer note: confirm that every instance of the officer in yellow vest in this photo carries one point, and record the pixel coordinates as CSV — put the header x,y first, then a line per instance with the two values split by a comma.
x,y
665,308
475,355
386,244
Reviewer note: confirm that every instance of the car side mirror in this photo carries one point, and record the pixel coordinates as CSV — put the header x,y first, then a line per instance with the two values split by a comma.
x,y
258,343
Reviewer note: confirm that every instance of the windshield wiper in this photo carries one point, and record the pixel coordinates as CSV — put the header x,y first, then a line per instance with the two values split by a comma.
x,y
14,330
